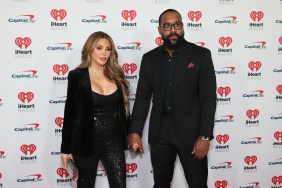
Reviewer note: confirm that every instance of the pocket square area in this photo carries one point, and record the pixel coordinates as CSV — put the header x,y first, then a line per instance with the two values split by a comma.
x,y
190,65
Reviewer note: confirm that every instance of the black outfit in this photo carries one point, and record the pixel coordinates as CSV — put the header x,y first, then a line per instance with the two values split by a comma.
x,y
95,127
107,146
189,87
169,71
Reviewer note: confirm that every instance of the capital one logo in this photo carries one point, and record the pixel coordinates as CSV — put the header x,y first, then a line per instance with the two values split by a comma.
x,y
221,184
28,149
69,44
23,43
62,171
280,40
194,15
159,41
0,175
250,160
222,138
131,167
2,153
37,176
279,89
59,121
223,91
60,69
225,41
129,67
58,15
28,96
126,14
256,15
278,135
252,114
254,66
276,180
200,43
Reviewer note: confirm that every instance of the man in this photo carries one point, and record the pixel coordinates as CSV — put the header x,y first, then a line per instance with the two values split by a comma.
x,y
179,77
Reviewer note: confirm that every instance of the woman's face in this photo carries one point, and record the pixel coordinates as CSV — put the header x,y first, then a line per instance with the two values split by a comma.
x,y
101,52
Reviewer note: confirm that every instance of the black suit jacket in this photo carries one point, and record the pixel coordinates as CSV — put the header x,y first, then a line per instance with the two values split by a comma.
x,y
194,94
77,132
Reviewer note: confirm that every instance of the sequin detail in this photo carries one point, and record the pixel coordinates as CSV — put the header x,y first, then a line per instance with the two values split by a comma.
x,y
107,145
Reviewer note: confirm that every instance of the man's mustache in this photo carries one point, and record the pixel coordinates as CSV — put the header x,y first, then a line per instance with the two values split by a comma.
x,y
173,34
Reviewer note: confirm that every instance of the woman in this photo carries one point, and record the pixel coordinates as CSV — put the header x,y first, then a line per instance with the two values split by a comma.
x,y
96,112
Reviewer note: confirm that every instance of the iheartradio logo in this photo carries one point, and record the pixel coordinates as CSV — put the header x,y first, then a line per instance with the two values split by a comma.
x,y
131,167
194,15
278,135
225,41
58,15
252,114
129,67
280,40
60,69
62,172
59,121
222,138
256,15
279,89
254,66
276,180
23,43
250,160
28,149
128,15
28,96
221,184
159,41
223,91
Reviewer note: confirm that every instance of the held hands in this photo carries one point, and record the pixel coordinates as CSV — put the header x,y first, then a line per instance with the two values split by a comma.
x,y
64,159
135,142
201,148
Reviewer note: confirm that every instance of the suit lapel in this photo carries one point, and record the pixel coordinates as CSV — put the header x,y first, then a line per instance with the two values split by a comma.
x,y
159,70
185,57
85,81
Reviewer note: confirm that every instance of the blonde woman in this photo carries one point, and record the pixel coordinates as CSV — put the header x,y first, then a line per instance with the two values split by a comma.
x,y
96,113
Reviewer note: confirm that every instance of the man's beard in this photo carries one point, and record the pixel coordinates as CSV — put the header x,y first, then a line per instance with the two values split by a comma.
x,y
171,45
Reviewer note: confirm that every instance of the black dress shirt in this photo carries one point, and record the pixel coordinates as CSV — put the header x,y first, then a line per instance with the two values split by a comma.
x,y
169,72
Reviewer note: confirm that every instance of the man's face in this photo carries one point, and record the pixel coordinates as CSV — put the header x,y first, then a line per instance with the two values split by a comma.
x,y
171,37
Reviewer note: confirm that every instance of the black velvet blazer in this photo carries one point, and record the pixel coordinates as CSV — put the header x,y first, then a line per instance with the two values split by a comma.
x,y
77,132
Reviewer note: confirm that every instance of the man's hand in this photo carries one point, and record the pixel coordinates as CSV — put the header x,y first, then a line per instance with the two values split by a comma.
x,y
135,142
201,148
64,159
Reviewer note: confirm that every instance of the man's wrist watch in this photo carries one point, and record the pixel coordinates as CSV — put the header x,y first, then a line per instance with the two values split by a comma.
x,y
206,138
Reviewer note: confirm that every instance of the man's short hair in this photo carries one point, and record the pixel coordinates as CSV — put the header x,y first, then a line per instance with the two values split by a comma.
x,y
166,11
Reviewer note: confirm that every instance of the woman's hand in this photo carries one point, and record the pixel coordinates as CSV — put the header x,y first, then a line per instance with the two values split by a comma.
x,y
64,159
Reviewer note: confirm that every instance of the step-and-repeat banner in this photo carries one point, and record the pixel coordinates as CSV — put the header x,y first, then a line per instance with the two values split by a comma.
x,y
41,42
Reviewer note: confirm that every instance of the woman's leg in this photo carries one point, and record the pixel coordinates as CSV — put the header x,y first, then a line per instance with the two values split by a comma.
x,y
113,159
87,170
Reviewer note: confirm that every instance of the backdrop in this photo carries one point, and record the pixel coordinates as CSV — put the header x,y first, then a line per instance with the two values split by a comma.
x,y
41,42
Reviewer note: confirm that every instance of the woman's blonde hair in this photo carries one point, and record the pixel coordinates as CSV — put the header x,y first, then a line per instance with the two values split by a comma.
x,y
112,69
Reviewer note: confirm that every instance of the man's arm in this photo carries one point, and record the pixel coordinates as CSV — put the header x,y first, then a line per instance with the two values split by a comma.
x,y
140,109
207,95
